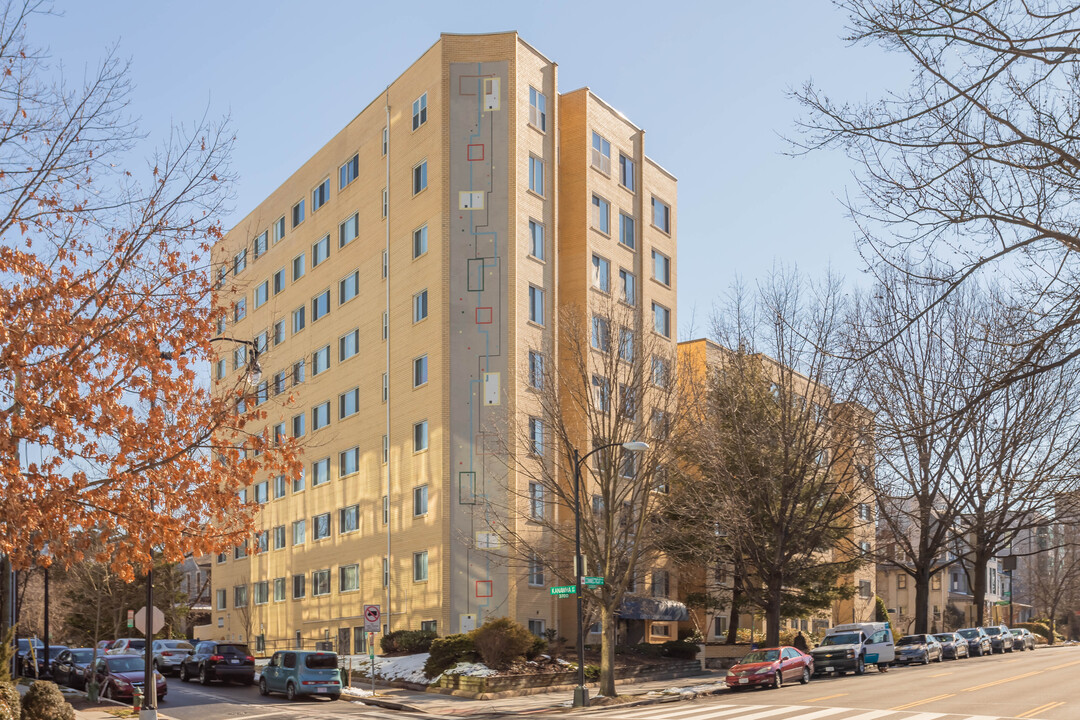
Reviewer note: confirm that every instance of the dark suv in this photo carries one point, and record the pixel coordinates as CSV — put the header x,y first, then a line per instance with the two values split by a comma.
x,y
216,660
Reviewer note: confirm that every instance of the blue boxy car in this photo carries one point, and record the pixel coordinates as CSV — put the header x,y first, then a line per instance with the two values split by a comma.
x,y
302,672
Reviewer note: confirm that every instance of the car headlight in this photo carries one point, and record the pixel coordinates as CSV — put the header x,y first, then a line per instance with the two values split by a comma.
x,y
850,654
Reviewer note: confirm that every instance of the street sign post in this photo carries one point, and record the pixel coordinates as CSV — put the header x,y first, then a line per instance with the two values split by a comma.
x,y
592,581
372,617
564,591
131,618
157,623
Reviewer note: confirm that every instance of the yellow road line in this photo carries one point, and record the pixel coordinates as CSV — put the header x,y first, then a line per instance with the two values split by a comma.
x,y
1041,708
922,702
826,697
1069,664
941,674
1002,681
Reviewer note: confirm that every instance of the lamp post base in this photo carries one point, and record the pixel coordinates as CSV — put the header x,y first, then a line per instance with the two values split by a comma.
x,y
148,714
581,697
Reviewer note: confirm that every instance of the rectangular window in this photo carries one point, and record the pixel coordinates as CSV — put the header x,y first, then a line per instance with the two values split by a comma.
x,y
240,596
240,552
279,281
661,319
661,215
222,599
239,261
320,360
536,571
279,229
348,578
320,250
262,492
385,572
279,332
320,416
536,240
348,230
320,526
298,213
537,627
420,307
386,203
261,342
298,425
385,140
626,172
420,566
419,111
348,462
537,109
240,310
220,369
385,387
629,290
385,264
628,401
660,584
601,273
385,509
385,449
536,305
419,178
298,369
298,589
626,231
419,371
279,589
536,369
601,154
223,272
348,345
536,500
348,172
298,264
320,472
601,334
536,175
298,482
299,319
348,403
419,242
299,532
262,592
260,245
320,195
419,500
601,215
420,436
626,344
661,268
601,393
320,583
349,519
320,306
262,293
279,537
385,325
536,436
348,287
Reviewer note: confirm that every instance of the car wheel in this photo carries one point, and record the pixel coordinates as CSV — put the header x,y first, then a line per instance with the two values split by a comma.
x,y
204,677
335,696
805,676
860,665
263,690
926,657
108,694
940,656
778,681
1009,649
184,677
290,691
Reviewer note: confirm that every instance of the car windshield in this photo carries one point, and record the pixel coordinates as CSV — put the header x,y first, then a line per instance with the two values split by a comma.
x,y
232,649
1017,632
125,664
970,634
842,639
760,656
945,638
322,661
82,656
911,640
55,650
993,631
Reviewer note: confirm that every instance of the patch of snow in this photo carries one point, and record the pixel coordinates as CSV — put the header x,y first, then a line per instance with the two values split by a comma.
x,y
407,668
356,692
471,669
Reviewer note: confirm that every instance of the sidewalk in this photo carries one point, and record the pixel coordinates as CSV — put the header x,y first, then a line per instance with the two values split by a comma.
x,y
708,683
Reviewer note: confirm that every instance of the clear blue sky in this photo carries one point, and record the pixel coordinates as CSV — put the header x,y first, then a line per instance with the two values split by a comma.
x,y
708,81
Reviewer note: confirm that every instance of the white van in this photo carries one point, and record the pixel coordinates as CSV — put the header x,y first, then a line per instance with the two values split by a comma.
x,y
853,646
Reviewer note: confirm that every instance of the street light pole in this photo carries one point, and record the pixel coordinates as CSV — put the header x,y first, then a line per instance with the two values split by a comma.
x,y
581,693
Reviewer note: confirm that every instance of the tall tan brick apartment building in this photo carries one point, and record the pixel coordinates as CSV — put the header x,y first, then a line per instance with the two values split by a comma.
x,y
402,281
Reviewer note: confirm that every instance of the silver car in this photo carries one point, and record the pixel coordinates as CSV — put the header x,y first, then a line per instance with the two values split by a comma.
x,y
169,653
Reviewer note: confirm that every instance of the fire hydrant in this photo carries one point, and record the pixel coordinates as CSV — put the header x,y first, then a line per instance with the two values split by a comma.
x,y
136,699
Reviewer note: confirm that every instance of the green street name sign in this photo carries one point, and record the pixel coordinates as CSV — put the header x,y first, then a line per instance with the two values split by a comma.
x,y
564,590
1002,602
592,581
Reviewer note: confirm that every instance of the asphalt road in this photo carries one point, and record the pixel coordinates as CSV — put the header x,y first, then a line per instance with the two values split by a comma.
x,y
1031,685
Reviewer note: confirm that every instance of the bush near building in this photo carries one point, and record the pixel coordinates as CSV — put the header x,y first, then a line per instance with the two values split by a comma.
x,y
408,641
44,701
10,703
449,651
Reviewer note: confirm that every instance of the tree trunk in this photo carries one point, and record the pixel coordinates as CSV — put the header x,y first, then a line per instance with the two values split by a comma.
x,y
733,617
978,587
922,600
1051,622
772,615
607,651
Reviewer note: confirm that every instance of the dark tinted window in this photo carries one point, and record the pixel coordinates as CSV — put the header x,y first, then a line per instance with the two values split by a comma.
x,y
232,649
970,634
910,640
322,661
993,631
290,660
944,638
54,651
83,656
136,644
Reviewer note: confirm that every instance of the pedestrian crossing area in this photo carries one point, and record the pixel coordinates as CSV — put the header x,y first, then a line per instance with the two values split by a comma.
x,y
711,711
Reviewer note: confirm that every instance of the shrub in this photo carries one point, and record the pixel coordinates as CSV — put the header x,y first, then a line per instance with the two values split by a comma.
x,y
539,645
10,702
650,650
592,672
501,641
44,701
881,613
447,652
680,649
408,641
691,634
1040,629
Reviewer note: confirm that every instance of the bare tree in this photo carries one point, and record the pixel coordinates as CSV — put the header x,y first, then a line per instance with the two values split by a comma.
x,y
612,384
767,478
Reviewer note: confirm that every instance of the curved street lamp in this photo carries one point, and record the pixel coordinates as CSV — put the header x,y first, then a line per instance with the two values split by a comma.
x,y
581,694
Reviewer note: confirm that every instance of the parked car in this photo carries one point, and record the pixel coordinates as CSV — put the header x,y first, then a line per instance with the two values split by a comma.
x,y
214,660
44,664
127,646
977,639
771,667
853,646
953,646
119,675
302,672
169,653
1001,640
1023,639
918,648
22,654
70,666
104,645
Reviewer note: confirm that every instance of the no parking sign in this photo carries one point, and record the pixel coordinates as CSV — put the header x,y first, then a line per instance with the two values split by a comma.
x,y
372,616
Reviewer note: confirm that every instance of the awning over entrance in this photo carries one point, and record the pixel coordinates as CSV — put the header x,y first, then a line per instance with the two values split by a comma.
x,y
650,608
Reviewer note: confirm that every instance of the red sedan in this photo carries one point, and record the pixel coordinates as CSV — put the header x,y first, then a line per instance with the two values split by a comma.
x,y
118,676
771,667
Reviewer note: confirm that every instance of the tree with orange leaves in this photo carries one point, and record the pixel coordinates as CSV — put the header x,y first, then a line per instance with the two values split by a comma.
x,y
111,444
